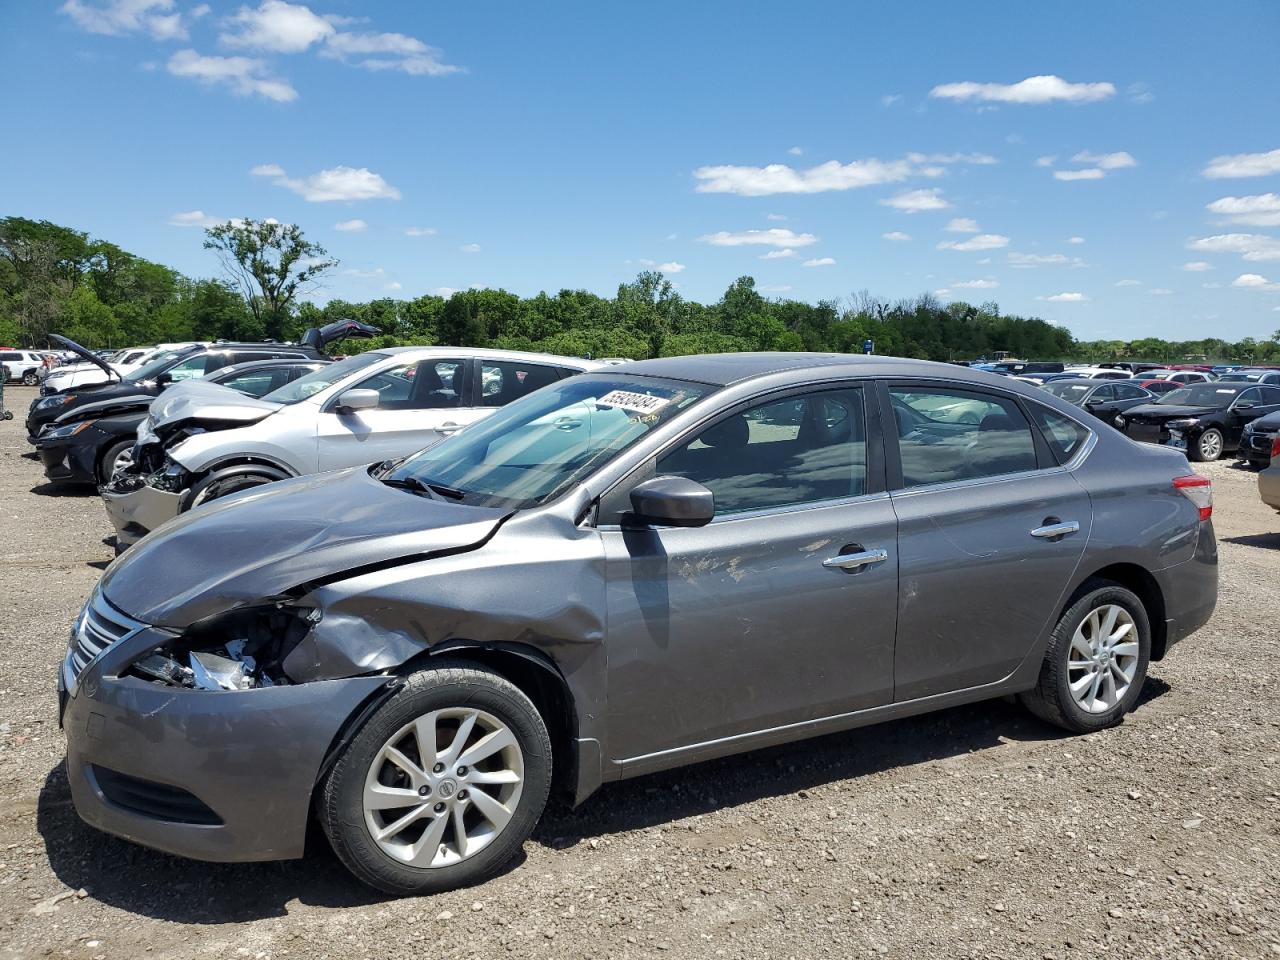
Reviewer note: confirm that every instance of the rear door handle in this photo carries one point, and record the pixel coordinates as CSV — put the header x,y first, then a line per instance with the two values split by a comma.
x,y
1056,530
855,561
448,429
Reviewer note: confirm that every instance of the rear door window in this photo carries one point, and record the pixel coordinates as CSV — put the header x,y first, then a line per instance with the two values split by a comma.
x,y
946,435
502,381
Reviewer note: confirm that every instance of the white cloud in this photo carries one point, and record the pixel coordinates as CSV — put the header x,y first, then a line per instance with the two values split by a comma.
x,y
1048,161
896,236
962,225
976,159
1105,161
244,75
1254,281
470,248
195,218
1065,298
389,51
351,226
1197,266
671,267
1159,292
1075,239
1139,93
278,27
1043,89
197,12
1259,210
420,231
796,151
116,18
1128,283
373,274
780,178
889,99
983,241
1243,165
977,284
819,262
783,288
775,217
774,237
778,254
1043,260
1250,246
1090,173
445,292
916,201
394,285
335,184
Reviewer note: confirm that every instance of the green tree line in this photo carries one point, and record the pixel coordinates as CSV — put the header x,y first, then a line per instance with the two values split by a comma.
x,y
55,279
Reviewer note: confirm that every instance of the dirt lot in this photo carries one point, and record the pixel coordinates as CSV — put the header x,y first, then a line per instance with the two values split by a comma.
x,y
977,832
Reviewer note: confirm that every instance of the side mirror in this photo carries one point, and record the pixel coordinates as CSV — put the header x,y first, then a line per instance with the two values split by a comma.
x,y
163,380
1245,404
672,502
354,400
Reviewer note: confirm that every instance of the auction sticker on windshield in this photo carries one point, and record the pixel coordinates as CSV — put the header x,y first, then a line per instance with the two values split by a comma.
x,y
635,402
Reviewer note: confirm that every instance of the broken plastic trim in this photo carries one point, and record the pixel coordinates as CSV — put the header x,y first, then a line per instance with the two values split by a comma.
x,y
242,649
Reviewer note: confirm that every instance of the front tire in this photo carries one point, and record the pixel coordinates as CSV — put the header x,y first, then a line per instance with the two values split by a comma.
x,y
113,460
220,485
1208,446
442,785
1096,662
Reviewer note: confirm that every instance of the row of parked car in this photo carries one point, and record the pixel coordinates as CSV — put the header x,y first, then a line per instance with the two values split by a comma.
x,y
539,573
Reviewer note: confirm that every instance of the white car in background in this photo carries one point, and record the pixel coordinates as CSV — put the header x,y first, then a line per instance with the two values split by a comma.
x,y
201,441
1178,376
82,374
1099,373
24,365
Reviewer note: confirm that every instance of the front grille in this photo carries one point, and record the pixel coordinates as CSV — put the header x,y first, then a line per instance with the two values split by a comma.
x,y
158,801
99,626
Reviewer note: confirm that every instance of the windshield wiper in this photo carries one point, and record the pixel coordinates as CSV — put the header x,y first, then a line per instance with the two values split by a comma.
x,y
453,493
412,484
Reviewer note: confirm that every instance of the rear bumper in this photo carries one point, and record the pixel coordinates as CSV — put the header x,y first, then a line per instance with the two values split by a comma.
x,y
223,776
1190,589
1269,487
136,513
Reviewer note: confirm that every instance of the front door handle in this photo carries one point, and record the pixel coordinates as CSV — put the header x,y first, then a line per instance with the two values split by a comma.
x,y
1056,530
855,561
449,428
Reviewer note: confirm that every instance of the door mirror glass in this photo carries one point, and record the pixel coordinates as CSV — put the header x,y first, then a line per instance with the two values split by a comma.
x,y
1245,404
354,400
672,502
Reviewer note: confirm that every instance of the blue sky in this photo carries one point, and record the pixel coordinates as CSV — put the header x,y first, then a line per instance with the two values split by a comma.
x,y
1133,190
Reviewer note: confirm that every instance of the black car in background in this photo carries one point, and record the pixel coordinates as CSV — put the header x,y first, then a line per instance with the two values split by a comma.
x,y
1105,399
89,448
1204,419
172,366
1258,439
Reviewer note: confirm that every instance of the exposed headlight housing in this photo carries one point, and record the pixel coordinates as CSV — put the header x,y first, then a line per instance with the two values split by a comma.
x,y
172,479
57,400
67,430
1184,424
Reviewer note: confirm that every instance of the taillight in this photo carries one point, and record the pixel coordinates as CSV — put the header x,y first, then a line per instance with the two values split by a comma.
x,y
1199,490
1275,447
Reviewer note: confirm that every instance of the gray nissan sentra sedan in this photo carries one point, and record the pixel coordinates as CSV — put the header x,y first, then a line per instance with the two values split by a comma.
x,y
630,570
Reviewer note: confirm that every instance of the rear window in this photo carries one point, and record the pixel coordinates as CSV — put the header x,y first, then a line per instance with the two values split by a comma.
x,y
1064,436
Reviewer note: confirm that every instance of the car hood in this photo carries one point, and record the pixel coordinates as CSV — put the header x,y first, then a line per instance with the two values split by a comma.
x,y
268,541
199,400
84,354
95,407
1266,424
1165,411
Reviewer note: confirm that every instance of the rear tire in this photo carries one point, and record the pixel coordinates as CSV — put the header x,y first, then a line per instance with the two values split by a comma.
x,y
463,821
30,378
1096,662
1208,446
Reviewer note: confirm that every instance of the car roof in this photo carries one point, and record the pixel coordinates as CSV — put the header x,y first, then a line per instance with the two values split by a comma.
x,y
1083,381
275,362
722,369
487,353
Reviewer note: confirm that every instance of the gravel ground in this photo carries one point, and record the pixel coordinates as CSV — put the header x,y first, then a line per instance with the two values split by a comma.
x,y
975,832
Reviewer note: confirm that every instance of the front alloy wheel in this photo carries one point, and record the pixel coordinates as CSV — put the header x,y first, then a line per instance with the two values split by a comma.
x,y
442,785
1209,445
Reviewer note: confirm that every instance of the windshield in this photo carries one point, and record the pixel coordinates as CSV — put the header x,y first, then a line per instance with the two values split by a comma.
x,y
323,378
1211,395
1070,392
157,366
542,444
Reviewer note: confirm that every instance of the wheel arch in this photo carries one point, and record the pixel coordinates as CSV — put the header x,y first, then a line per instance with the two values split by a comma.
x,y
1139,581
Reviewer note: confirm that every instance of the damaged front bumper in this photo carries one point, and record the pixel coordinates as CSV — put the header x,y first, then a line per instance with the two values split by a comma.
x,y
213,775
136,507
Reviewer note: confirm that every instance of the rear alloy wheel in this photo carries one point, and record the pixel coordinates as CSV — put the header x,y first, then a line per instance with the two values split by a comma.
x,y
1096,662
30,379
118,456
442,785
1208,447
